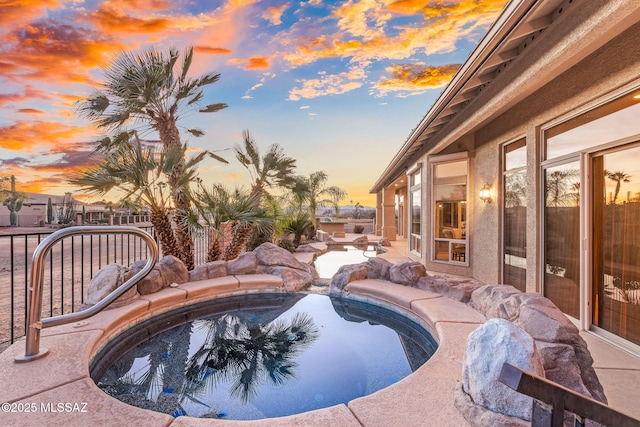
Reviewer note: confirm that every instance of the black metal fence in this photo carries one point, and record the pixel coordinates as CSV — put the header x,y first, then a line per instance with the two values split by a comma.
x,y
70,265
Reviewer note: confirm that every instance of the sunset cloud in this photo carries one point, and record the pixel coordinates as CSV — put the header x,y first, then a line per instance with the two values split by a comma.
x,y
56,52
16,11
211,50
414,77
36,136
29,93
332,84
274,14
252,63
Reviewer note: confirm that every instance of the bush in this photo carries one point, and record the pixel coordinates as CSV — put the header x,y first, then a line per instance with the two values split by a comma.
x,y
288,245
358,229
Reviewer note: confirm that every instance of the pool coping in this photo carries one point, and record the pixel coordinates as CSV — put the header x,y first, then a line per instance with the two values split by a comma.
x,y
58,387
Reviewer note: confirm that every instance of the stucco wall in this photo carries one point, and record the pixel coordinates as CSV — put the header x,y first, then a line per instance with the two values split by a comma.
x,y
616,66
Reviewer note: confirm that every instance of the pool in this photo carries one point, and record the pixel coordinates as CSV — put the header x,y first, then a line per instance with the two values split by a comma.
x,y
261,356
336,256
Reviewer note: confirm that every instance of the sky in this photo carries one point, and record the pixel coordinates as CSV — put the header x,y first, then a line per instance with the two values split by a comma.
x,y
339,85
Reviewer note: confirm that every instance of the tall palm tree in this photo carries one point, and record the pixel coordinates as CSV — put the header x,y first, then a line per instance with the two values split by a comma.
x,y
274,168
141,174
151,93
313,191
619,177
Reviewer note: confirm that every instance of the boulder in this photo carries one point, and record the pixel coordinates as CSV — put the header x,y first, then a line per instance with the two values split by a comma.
x,y
384,242
487,299
152,283
345,275
172,270
268,255
210,270
312,248
107,280
379,268
407,273
361,242
454,287
294,280
492,344
479,415
246,263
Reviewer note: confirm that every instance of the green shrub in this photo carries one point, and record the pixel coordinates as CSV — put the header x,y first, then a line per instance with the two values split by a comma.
x,y
288,245
358,229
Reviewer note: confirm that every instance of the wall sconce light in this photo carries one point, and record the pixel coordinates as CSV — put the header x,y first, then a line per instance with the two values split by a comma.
x,y
485,193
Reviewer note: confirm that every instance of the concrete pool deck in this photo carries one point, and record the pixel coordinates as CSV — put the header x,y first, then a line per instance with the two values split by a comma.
x,y
62,377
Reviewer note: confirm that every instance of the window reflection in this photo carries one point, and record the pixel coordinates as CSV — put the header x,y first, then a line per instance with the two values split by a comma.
x,y
450,192
616,243
562,237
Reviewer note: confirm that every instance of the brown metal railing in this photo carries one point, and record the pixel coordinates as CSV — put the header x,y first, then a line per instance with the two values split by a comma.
x,y
551,400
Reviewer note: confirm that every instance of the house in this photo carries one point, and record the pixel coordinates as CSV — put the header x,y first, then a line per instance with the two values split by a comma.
x,y
526,170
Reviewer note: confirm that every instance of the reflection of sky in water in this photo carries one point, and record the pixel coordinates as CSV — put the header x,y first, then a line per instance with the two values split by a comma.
x,y
348,360
328,264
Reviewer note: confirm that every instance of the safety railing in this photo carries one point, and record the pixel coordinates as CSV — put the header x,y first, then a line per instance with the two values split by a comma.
x,y
34,316
551,400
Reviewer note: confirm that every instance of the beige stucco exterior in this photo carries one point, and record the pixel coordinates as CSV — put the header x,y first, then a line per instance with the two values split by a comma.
x,y
589,54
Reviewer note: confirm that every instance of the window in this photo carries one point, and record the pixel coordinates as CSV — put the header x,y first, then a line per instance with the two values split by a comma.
x,y
450,216
415,238
514,238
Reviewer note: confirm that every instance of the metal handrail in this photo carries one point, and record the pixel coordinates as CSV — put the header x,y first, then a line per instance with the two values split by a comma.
x,y
34,317
550,400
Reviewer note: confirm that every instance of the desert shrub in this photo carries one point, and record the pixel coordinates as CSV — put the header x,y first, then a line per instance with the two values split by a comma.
x,y
287,244
358,229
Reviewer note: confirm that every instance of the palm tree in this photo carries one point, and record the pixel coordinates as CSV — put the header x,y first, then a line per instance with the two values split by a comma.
x,y
619,177
272,169
142,175
232,216
299,225
149,92
313,191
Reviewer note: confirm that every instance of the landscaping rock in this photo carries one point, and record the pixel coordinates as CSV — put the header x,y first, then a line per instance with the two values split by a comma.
x,y
152,283
172,270
361,242
310,248
454,287
210,270
345,275
487,299
384,242
407,273
246,263
488,347
268,254
107,280
480,416
379,268
294,280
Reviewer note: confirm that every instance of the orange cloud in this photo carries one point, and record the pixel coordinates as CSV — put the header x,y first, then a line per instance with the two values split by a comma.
x,y
274,14
415,77
112,18
17,11
368,38
55,52
252,63
30,111
211,50
142,5
30,136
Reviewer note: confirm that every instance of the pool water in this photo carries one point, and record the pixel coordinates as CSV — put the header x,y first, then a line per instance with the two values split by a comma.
x,y
261,356
336,256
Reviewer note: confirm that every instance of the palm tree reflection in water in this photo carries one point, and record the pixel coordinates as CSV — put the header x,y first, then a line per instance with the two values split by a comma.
x,y
241,352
